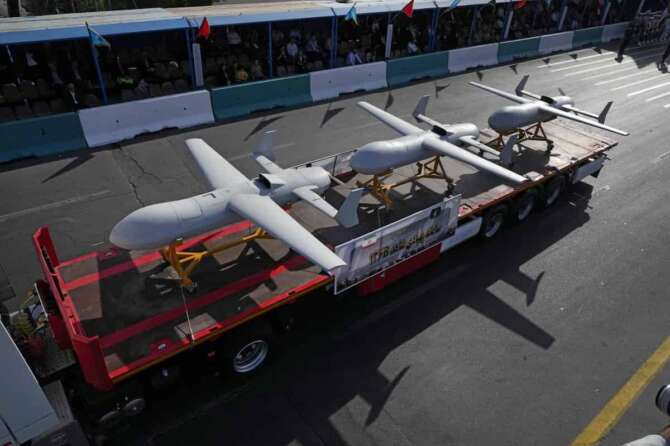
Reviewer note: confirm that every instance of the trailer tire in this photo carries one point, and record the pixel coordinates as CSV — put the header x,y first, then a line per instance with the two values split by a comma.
x,y
552,191
524,205
492,221
248,350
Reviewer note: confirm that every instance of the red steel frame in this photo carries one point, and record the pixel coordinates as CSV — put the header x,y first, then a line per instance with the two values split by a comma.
x,y
69,332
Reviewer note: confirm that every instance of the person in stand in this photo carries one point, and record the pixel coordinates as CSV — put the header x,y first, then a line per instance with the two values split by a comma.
x,y
241,74
353,58
292,50
71,98
223,75
257,70
301,62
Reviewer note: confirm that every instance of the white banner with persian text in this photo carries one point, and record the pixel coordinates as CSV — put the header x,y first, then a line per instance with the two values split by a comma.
x,y
379,250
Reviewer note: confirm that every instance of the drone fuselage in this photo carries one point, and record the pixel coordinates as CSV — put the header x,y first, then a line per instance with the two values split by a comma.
x,y
380,156
158,225
512,117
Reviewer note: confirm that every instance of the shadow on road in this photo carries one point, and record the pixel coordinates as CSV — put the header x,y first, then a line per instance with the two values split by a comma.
x,y
326,378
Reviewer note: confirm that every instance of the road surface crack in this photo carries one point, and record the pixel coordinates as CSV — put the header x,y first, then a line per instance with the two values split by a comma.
x,y
133,182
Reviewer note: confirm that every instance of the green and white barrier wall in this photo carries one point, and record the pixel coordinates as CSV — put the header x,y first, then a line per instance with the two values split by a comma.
x,y
239,100
35,137
113,123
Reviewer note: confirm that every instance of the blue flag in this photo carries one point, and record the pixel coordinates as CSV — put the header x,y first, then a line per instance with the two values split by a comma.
x,y
454,3
351,15
96,39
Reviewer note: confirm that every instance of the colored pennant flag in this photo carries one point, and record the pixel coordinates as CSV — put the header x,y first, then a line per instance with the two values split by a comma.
x,y
454,3
491,3
204,30
408,9
96,39
519,4
351,15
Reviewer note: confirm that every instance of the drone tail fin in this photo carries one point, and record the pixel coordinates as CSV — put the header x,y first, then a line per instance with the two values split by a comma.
x,y
603,114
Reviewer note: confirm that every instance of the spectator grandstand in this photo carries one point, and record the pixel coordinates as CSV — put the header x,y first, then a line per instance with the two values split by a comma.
x,y
152,54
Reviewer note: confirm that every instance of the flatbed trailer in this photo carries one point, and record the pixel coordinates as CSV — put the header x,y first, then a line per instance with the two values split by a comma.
x,y
117,314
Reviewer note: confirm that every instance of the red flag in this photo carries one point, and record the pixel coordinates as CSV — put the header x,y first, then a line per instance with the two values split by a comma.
x,y
203,31
520,4
408,9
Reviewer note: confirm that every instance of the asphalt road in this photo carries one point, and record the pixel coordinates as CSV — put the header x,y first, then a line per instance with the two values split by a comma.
x,y
519,341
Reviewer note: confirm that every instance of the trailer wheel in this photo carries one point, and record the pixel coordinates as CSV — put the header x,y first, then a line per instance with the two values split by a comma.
x,y
553,190
524,205
492,221
251,356
249,349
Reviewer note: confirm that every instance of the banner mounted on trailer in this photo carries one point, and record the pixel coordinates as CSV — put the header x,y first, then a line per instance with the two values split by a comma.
x,y
379,250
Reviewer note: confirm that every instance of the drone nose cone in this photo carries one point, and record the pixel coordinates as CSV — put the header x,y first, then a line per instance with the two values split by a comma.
x,y
369,159
150,227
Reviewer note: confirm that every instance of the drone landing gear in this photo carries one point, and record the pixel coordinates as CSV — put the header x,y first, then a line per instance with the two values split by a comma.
x,y
185,262
533,133
432,169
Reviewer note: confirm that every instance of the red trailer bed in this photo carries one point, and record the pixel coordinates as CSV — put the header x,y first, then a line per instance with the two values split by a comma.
x,y
120,318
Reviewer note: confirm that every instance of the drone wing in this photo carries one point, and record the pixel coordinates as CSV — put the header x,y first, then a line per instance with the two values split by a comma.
x,y
470,141
268,215
444,148
397,124
504,94
558,112
215,168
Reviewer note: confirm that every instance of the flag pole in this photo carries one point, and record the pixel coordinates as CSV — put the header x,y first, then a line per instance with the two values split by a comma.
x,y
96,62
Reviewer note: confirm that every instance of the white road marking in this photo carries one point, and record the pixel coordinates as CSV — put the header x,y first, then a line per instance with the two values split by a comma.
x,y
603,54
558,70
653,98
579,59
54,205
615,64
635,93
661,157
620,78
666,106
621,87
608,73
626,58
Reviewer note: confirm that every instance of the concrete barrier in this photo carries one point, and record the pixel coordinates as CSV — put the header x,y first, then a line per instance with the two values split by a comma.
x,y
556,42
332,83
515,49
407,69
614,31
472,57
117,122
40,136
587,36
240,100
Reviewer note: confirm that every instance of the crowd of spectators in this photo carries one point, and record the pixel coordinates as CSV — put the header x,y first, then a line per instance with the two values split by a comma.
x,y
42,79
48,78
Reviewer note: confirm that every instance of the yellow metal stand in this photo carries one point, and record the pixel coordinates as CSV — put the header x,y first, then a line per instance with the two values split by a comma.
x,y
185,262
533,133
432,169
